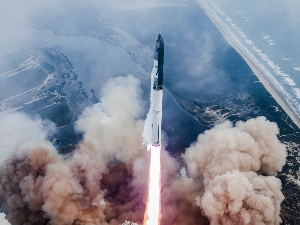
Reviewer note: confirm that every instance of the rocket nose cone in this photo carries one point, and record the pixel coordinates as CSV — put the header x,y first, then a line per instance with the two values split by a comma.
x,y
159,37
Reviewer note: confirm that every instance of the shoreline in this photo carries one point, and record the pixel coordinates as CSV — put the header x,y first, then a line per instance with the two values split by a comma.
x,y
279,98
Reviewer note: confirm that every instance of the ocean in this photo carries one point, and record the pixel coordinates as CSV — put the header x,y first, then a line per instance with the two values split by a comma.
x,y
266,33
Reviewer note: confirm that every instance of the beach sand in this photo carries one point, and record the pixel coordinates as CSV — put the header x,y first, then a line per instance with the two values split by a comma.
x,y
276,94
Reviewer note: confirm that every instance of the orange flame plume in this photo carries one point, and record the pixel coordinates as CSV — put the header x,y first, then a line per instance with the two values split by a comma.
x,y
152,214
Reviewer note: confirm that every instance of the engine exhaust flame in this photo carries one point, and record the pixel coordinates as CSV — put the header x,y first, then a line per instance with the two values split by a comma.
x,y
152,214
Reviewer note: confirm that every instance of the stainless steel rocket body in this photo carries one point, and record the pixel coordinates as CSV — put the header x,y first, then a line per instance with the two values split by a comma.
x,y
157,93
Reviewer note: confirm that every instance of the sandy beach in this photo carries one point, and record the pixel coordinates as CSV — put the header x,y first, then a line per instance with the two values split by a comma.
x,y
257,68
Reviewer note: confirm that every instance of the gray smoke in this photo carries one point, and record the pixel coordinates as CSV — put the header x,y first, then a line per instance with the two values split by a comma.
x,y
104,181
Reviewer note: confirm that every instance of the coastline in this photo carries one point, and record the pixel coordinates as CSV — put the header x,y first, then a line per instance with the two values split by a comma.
x,y
255,67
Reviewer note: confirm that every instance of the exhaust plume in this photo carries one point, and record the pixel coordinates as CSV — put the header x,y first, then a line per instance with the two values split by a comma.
x,y
104,181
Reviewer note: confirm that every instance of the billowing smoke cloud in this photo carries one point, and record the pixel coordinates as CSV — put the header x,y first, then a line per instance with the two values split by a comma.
x,y
229,160
19,132
104,181
178,195
94,184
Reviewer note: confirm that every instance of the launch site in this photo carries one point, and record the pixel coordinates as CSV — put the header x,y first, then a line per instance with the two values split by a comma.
x,y
139,112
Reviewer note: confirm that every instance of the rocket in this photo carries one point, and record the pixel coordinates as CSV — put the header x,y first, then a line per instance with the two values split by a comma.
x,y
156,94
152,135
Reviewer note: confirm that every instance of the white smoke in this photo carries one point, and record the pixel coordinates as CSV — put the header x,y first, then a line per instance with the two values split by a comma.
x,y
114,123
3,221
19,132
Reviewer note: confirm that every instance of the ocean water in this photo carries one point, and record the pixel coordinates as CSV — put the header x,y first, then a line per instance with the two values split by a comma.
x,y
268,33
